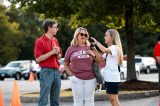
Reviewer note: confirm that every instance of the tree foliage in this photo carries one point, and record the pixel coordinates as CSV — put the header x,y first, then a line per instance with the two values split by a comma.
x,y
10,37
112,12
126,15
29,27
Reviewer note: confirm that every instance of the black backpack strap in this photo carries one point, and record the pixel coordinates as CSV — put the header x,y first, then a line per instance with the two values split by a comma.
x,y
119,69
106,58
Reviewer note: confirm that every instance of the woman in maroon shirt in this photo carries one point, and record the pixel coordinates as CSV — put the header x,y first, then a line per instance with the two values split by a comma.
x,y
78,64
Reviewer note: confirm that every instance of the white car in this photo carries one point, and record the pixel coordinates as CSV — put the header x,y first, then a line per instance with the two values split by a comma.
x,y
123,70
37,68
63,73
146,64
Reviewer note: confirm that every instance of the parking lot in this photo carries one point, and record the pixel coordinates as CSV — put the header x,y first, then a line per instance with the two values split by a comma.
x,y
27,87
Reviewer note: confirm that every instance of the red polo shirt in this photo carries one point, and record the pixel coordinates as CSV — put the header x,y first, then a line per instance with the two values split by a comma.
x,y
157,50
44,45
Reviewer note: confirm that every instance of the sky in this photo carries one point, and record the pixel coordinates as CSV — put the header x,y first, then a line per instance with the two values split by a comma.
x,y
6,2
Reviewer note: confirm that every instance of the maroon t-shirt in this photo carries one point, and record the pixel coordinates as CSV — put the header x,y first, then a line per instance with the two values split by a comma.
x,y
81,62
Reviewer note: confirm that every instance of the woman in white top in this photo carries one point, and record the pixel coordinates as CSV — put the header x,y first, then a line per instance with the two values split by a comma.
x,y
114,57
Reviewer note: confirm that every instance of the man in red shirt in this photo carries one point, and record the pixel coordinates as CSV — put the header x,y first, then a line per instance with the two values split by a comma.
x,y
157,58
47,52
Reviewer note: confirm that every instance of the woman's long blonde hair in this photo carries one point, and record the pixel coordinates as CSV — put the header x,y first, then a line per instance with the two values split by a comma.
x,y
74,41
115,40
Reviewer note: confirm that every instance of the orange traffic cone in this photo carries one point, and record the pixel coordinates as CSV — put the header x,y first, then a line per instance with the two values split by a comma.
x,y
1,98
15,96
31,77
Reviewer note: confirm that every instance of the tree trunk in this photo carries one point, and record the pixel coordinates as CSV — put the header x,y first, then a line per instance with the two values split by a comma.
x,y
131,74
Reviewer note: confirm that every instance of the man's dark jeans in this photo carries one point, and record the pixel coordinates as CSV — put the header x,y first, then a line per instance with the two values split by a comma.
x,y
158,67
50,83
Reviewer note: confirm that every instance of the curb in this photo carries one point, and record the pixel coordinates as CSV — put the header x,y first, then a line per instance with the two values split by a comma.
x,y
98,97
138,95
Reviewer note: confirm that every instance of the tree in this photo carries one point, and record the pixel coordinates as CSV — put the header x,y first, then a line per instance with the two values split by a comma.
x,y
119,14
10,37
29,27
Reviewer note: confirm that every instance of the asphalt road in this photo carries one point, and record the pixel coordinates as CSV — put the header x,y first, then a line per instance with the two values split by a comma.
x,y
28,87
24,87
149,77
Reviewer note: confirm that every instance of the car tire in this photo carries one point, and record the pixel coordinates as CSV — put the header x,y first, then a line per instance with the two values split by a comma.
x,y
38,76
26,78
64,75
2,79
122,76
147,70
17,76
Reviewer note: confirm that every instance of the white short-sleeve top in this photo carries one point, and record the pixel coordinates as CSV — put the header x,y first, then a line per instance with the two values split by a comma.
x,y
111,73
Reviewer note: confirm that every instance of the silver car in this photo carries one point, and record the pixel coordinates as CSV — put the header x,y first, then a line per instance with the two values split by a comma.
x,y
14,69
146,64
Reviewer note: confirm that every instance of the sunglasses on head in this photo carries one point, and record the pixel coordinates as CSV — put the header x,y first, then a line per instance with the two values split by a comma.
x,y
82,34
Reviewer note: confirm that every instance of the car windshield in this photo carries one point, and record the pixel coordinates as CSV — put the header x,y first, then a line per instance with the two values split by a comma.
x,y
25,65
13,65
138,60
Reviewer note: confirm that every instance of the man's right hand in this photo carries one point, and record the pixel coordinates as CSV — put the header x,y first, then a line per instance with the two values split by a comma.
x,y
55,50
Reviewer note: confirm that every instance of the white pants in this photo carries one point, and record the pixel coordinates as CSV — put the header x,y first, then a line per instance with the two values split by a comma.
x,y
83,91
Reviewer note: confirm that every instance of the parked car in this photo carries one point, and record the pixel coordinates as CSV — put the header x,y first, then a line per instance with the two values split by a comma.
x,y
64,74
123,70
36,68
14,69
146,64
